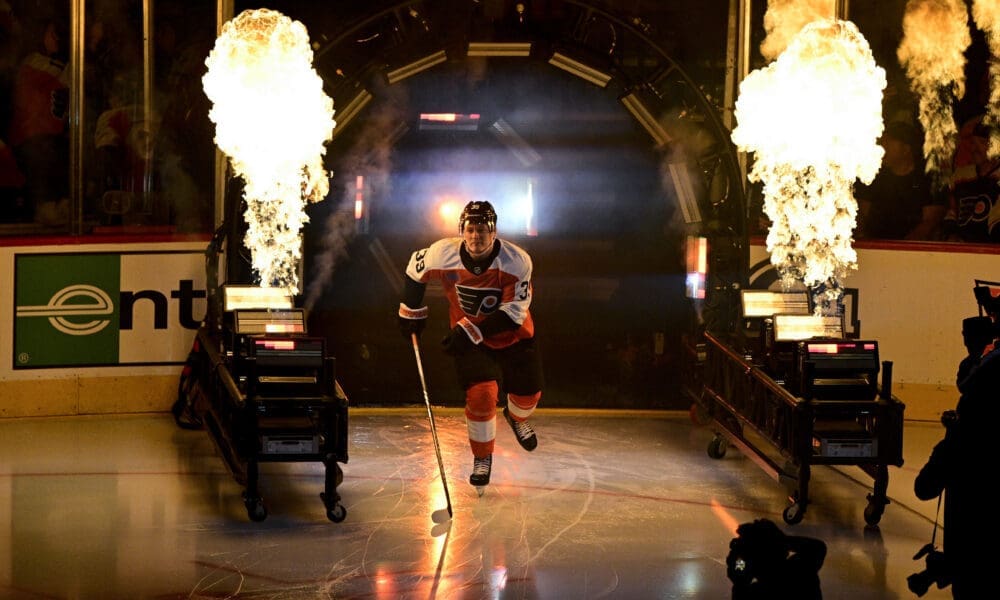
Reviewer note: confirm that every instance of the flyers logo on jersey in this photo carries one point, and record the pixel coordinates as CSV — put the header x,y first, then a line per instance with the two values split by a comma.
x,y
477,301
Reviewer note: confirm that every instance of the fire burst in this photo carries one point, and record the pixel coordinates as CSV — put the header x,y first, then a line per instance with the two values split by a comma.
x,y
272,120
813,117
935,36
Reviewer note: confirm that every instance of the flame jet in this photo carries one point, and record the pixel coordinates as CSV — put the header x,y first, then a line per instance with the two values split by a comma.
x,y
272,120
935,36
812,118
785,18
987,16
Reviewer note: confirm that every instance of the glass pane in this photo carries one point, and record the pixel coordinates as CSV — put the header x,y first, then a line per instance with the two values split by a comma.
x,y
152,155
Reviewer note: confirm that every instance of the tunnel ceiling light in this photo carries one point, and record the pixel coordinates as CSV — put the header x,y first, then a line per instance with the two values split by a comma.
x,y
686,197
645,118
345,115
579,69
416,67
499,49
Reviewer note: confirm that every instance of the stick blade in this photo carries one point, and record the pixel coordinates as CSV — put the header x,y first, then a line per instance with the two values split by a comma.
x,y
441,516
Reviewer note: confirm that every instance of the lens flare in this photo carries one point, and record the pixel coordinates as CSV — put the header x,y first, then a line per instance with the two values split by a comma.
x,y
812,118
935,36
272,120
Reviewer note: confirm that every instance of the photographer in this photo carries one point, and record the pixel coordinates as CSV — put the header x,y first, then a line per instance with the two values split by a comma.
x,y
955,468
763,562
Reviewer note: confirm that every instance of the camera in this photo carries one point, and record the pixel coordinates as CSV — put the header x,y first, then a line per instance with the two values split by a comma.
x,y
936,572
738,564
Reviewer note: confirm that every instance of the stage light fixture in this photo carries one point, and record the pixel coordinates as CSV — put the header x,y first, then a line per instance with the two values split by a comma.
x,y
345,115
416,66
645,118
579,69
499,49
237,297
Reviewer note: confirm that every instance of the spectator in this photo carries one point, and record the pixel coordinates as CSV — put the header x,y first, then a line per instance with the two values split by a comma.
x,y
123,139
900,204
974,213
38,131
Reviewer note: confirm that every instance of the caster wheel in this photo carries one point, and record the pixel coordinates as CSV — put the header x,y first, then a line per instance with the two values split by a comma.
x,y
256,510
873,513
336,513
717,447
793,514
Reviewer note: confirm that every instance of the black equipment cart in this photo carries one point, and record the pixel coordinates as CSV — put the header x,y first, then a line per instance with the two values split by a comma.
x,y
264,389
790,405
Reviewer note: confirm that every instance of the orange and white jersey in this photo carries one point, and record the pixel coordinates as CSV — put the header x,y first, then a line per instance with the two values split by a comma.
x,y
504,284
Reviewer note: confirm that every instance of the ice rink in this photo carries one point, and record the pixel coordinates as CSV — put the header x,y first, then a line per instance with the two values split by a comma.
x,y
612,504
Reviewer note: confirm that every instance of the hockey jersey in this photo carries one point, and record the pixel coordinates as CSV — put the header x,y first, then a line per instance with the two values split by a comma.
x,y
502,285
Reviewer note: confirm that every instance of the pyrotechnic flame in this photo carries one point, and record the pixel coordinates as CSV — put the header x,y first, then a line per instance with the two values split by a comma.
x,y
785,18
935,36
987,16
812,118
272,119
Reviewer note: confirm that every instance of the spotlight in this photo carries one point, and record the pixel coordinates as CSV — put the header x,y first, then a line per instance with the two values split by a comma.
x,y
499,49
345,115
641,114
416,66
579,69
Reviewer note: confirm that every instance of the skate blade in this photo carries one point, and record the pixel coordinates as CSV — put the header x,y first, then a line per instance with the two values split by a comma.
x,y
480,490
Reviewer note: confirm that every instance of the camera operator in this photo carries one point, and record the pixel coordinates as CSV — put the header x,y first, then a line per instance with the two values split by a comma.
x,y
764,563
956,469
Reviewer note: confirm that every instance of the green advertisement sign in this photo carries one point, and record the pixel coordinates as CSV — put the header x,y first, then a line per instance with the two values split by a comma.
x,y
67,310
105,309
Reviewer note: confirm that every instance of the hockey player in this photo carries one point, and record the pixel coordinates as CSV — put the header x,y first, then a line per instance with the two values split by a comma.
x,y
487,281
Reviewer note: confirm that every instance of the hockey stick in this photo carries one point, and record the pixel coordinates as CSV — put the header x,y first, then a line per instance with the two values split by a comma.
x,y
436,516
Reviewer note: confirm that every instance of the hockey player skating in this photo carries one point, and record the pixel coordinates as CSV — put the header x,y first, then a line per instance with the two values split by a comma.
x,y
487,281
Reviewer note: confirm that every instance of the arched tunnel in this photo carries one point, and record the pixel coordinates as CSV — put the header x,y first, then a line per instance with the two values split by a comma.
x,y
601,152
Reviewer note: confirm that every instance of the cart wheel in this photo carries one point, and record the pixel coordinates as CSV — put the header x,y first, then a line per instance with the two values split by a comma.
x,y
873,513
793,514
256,510
717,447
336,513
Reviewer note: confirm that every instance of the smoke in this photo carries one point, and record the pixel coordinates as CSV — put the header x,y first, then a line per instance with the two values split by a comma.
x,y
272,120
935,36
370,155
785,18
812,117
987,16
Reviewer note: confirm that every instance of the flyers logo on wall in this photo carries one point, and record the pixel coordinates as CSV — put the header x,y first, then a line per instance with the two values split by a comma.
x,y
106,309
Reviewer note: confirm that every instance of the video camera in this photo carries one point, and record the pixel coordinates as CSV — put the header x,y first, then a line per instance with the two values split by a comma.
x,y
936,572
763,559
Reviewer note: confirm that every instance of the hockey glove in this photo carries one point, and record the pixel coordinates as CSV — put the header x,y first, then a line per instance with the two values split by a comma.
x,y
461,338
412,320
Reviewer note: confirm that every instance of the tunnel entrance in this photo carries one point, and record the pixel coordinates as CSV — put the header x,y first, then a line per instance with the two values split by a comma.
x,y
601,167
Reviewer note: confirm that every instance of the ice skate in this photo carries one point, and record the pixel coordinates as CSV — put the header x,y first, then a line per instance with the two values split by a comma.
x,y
481,473
522,431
